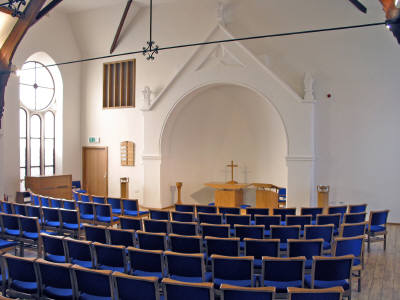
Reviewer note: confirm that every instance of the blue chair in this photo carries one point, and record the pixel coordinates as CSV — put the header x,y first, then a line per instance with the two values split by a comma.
x,y
232,270
283,233
130,223
76,184
206,209
56,203
116,205
122,237
178,290
98,199
228,210
71,221
353,229
233,220
357,208
53,248
185,208
104,214
354,217
231,292
186,267
56,280
95,233
334,293
152,240
85,198
354,246
87,290
146,262
267,221
30,230
215,230
182,216
7,207
22,276
110,257
184,228
313,211
10,226
377,227
283,272
307,248
44,201
252,211
79,252
75,195
81,191
131,208
20,209
128,287
34,211
209,218
222,246
52,218
69,204
299,220
324,232
331,272
151,225
157,214
282,197
330,219
259,248
248,231
341,209
185,244
283,212
35,200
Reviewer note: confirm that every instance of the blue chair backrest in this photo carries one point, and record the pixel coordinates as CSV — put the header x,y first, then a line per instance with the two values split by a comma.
x,y
115,202
232,268
76,184
85,198
102,210
86,279
148,261
329,219
34,211
323,268
10,222
76,196
337,209
53,245
283,212
267,221
319,231
260,248
35,200
121,237
249,231
130,204
185,265
239,293
283,269
159,215
313,211
307,248
85,208
7,207
69,216
20,268
136,288
151,241
96,234
110,255
357,208
237,219
185,244
184,228
182,216
355,217
282,192
215,230
99,199
155,225
222,246
29,224
78,250
55,275
128,223
50,214
69,204
356,229
229,210
345,246
252,211
299,220
184,291
45,201
379,217
20,209
206,209
56,203
184,208
285,232
210,218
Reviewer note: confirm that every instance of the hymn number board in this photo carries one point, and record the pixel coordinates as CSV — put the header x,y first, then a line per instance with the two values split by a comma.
x,y
127,153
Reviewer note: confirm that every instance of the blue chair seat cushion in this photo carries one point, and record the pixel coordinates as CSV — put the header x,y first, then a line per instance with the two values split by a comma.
x,y
85,296
112,268
322,284
6,244
283,246
243,283
326,246
107,219
252,222
116,211
308,264
257,263
134,212
53,223
267,232
57,293
13,232
55,258
281,286
24,286
356,262
211,204
87,216
244,206
148,274
208,278
313,222
377,228
72,226
283,223
83,263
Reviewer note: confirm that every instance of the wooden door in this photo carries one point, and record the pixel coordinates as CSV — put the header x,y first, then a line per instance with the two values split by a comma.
x,y
95,170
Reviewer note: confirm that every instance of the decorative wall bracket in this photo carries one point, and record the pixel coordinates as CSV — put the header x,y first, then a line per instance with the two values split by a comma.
x,y
146,104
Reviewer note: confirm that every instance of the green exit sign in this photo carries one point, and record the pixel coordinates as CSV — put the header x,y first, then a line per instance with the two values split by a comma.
x,y
94,140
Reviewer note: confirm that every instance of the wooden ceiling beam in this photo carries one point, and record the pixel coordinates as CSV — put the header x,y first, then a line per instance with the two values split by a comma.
x,y
47,9
121,24
5,10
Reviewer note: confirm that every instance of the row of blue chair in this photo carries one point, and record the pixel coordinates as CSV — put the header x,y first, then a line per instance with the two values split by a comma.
x,y
29,277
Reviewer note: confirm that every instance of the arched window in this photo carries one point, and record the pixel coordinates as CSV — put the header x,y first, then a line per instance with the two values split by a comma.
x,y
37,121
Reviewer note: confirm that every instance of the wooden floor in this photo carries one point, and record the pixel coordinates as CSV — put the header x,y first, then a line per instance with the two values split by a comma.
x,y
381,275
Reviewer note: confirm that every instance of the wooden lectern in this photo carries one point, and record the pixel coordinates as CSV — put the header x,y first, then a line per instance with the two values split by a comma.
x,y
228,194
266,195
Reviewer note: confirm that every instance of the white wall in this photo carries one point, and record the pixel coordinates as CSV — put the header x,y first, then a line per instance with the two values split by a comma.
x,y
213,127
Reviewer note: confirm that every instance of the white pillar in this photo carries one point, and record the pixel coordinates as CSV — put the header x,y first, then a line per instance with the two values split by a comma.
x,y
151,192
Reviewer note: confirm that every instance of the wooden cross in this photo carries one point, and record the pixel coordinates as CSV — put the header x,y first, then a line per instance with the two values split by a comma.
x,y
232,166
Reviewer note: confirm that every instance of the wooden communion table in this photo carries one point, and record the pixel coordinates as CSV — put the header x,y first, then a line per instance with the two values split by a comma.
x,y
228,194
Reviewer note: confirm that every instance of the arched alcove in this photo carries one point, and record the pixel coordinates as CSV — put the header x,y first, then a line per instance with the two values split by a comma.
x,y
213,125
